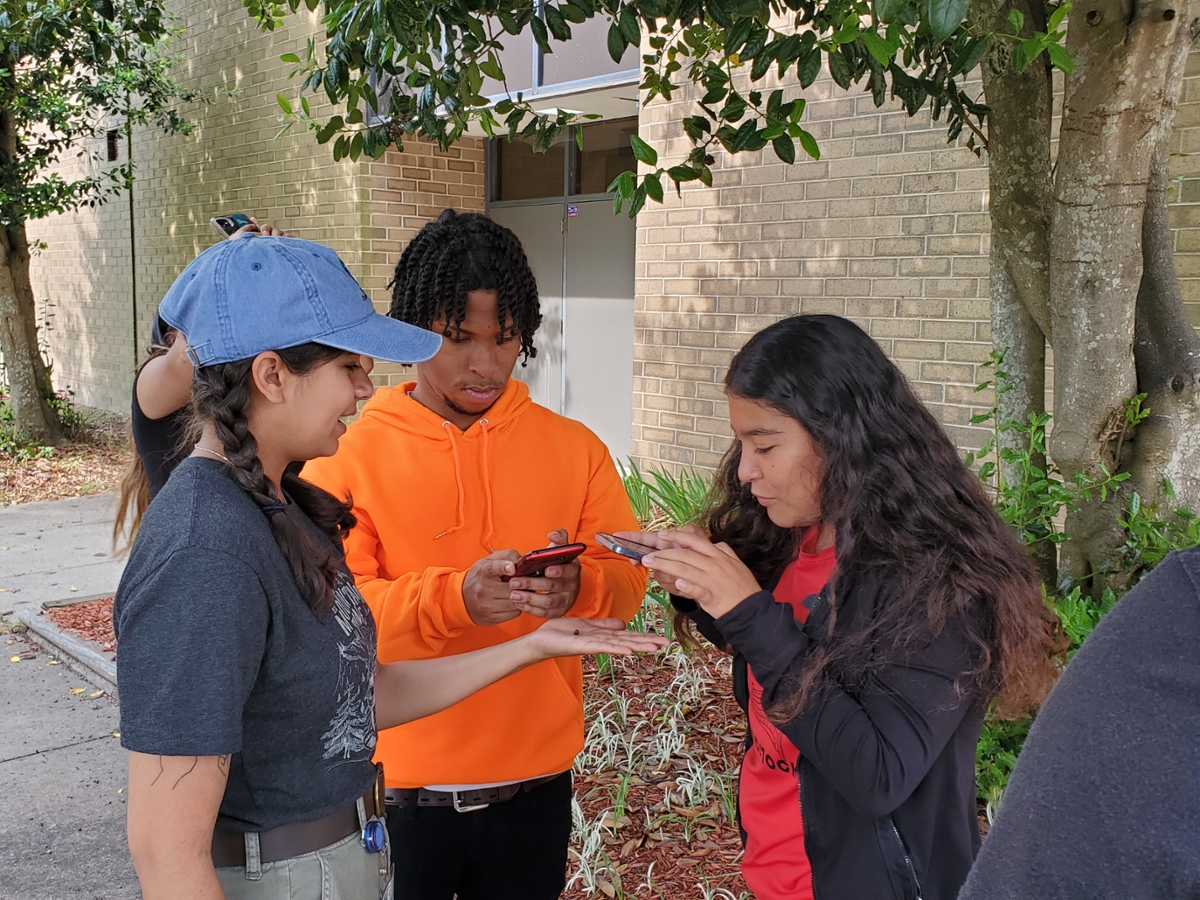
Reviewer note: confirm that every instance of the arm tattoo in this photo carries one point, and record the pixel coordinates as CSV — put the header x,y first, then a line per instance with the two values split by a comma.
x,y
160,772
195,762
223,765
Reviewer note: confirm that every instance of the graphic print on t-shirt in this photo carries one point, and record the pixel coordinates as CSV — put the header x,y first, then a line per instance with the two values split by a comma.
x,y
351,734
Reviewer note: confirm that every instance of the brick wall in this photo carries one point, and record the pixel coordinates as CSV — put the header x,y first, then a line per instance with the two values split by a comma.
x,y
231,163
888,228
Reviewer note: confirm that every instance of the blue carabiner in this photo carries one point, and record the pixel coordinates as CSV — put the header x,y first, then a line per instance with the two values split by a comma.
x,y
374,836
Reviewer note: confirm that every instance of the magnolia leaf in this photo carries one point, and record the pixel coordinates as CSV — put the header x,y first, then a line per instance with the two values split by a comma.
x,y
945,16
809,143
785,149
643,151
616,43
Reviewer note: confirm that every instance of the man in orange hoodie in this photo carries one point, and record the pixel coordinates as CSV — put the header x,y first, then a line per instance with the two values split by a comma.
x,y
452,478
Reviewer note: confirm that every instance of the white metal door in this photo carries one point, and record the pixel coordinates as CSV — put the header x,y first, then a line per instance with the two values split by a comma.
x,y
540,231
598,322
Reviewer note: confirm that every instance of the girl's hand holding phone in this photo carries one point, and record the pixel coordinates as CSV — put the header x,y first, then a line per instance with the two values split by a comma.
x,y
687,563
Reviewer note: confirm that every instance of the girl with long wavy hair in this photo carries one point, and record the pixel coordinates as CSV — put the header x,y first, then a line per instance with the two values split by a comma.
x,y
875,604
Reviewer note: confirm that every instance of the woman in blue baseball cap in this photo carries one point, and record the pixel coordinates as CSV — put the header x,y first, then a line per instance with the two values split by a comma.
x,y
249,688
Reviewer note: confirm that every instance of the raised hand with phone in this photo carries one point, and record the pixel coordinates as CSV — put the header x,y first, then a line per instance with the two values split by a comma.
x,y
544,583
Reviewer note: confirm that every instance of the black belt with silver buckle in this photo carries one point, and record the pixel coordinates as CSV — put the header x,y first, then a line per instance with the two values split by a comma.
x,y
461,801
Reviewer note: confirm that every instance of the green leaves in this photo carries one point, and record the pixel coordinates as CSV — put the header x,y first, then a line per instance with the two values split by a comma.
x,y
616,43
785,149
643,151
1050,41
435,58
945,16
70,66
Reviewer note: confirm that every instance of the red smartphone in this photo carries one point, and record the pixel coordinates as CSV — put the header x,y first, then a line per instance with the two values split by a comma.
x,y
536,562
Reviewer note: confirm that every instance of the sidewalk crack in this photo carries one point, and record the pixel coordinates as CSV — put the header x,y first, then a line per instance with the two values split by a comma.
x,y
90,740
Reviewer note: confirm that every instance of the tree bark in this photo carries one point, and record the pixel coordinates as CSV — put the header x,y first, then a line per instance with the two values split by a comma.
x,y
28,377
1166,347
1020,112
1110,131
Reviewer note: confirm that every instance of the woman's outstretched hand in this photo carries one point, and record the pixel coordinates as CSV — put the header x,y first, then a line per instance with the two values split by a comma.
x,y
587,637
687,563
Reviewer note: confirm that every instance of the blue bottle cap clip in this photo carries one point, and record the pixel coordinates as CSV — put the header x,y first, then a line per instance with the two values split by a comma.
x,y
374,836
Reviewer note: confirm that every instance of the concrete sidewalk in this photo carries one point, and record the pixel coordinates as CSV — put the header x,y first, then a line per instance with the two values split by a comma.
x,y
62,778
57,550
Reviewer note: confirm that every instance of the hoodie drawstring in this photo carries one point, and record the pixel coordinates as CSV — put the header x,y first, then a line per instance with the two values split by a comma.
x,y
487,487
461,519
460,516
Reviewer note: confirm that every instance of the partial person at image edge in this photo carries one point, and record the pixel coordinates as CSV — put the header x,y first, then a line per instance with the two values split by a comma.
x,y
1104,801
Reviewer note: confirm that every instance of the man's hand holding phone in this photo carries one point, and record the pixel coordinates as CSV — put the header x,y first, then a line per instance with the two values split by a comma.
x,y
486,591
554,593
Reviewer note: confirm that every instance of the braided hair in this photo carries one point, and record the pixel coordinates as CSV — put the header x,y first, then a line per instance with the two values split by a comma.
x,y
459,253
220,397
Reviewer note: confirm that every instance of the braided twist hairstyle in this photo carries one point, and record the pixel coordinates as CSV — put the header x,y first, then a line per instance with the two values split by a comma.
x,y
459,253
220,397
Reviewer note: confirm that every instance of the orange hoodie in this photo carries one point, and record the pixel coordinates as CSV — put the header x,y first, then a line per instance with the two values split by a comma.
x,y
431,501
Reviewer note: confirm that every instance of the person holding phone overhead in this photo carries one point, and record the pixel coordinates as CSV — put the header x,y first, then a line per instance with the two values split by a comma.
x,y
162,387
453,477
875,605
250,688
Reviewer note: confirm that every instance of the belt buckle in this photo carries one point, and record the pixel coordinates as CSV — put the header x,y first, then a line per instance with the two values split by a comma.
x,y
459,806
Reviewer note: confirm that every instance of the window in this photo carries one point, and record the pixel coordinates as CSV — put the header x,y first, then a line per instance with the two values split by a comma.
x,y
606,154
113,145
520,173
582,61
517,173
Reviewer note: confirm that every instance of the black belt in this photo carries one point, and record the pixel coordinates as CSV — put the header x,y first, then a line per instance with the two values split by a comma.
x,y
461,801
298,838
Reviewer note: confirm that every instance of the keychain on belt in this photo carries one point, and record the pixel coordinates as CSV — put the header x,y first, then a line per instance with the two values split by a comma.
x,y
374,833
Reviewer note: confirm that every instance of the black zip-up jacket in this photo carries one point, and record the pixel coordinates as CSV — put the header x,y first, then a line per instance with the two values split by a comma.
x,y
887,772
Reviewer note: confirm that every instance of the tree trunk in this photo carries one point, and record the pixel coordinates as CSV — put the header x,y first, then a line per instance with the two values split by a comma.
x,y
1166,349
1110,131
1020,111
28,377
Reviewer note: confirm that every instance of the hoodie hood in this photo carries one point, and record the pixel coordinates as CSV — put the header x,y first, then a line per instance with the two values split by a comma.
x,y
397,408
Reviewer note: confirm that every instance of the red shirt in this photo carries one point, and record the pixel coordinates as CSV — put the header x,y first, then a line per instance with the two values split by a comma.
x,y
775,865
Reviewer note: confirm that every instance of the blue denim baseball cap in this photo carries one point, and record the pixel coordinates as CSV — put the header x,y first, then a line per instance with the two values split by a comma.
x,y
241,297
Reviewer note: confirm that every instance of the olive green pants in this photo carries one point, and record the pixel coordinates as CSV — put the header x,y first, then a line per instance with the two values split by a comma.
x,y
341,871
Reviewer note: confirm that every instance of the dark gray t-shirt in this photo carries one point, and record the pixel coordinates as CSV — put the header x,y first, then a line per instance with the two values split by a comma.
x,y
218,654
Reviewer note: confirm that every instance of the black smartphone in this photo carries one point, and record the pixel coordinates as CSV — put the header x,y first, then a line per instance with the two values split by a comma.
x,y
227,225
536,562
623,547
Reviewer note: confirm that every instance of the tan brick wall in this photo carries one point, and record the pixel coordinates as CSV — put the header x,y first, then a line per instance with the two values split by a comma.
x,y
889,228
231,163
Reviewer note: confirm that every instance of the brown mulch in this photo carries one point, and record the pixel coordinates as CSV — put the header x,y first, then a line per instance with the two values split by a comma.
x,y
686,851
92,461
91,621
